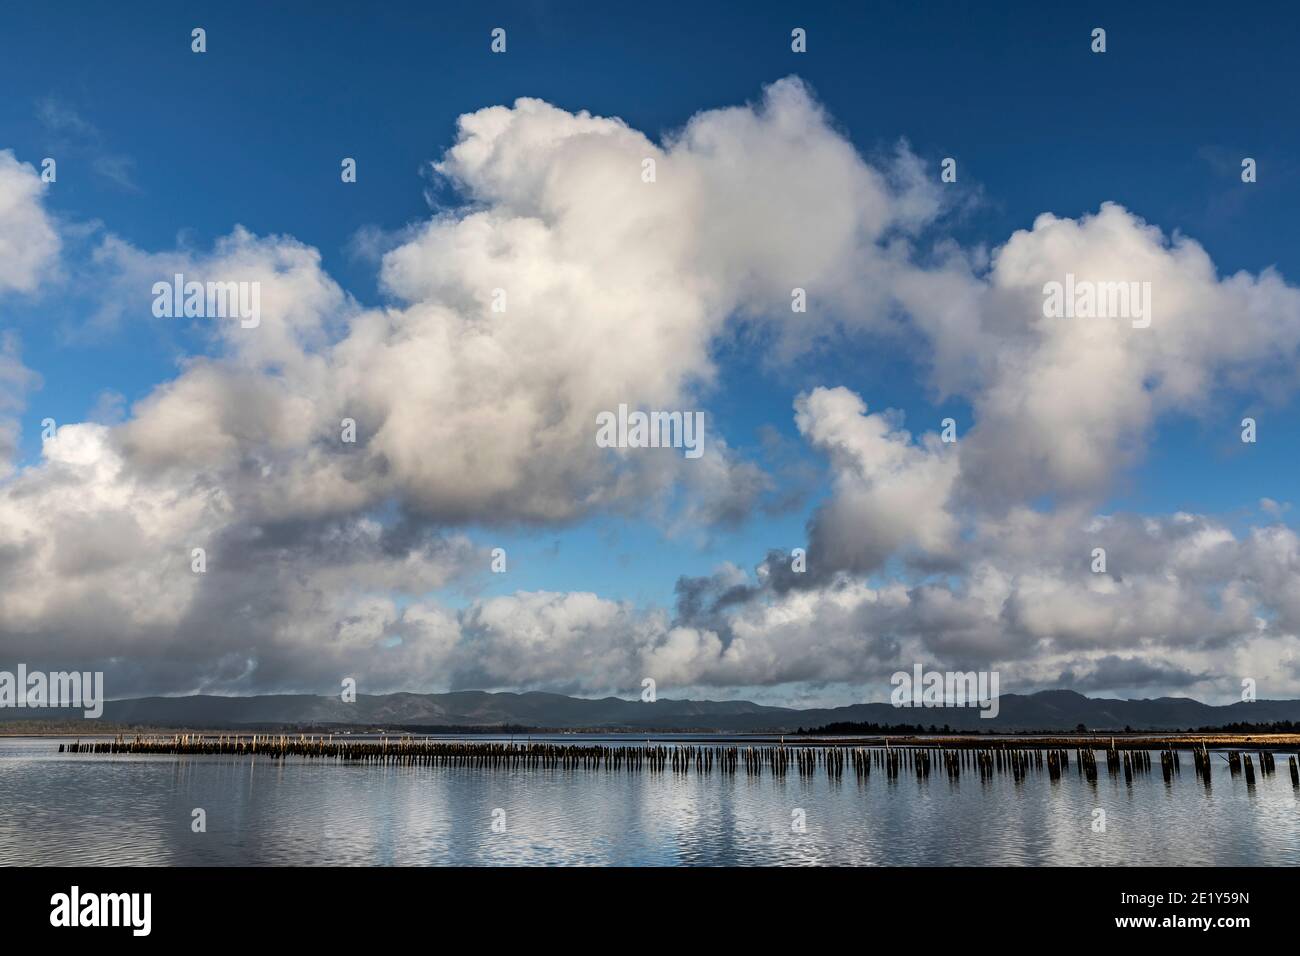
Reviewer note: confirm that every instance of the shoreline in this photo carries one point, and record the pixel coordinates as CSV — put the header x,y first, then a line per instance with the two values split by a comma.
x,y
1027,741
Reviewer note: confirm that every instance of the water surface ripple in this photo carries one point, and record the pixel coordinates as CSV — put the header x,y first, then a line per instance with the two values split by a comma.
x,y
58,809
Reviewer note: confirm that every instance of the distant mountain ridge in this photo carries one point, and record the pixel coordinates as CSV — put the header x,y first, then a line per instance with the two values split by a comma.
x,y
1050,710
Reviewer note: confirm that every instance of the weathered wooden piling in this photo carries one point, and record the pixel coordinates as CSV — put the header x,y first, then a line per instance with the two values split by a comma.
x,y
988,758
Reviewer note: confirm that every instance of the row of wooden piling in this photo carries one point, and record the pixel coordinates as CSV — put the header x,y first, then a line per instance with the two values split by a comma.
x,y
1242,763
778,759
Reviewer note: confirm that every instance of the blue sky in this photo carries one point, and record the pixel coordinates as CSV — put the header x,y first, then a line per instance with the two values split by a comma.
x,y
168,150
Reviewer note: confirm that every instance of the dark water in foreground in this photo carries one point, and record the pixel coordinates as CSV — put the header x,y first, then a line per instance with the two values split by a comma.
x,y
66,809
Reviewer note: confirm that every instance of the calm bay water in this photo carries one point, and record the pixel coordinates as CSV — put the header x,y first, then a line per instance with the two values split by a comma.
x,y
66,809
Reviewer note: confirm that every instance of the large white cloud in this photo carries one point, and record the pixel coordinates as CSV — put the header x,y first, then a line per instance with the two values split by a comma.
x,y
29,249
16,379
322,554
1184,599
1063,404
615,289
890,495
29,242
